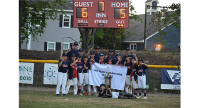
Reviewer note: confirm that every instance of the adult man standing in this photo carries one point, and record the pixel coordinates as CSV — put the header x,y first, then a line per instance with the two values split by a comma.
x,y
97,51
73,51
114,58
128,51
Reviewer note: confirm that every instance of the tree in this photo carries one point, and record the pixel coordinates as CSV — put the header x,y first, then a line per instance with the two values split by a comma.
x,y
35,12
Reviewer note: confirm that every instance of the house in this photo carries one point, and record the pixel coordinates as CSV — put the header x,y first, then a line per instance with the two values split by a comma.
x,y
136,38
55,30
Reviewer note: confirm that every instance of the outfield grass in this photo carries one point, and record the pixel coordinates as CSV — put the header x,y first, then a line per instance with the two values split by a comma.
x,y
41,99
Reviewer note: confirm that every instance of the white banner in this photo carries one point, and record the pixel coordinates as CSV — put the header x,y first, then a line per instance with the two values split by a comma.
x,y
98,72
50,73
26,71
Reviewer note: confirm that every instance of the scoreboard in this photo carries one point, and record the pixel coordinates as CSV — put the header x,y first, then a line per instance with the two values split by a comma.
x,y
101,14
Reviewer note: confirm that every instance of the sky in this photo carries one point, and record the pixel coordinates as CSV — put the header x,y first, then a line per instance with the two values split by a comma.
x,y
139,5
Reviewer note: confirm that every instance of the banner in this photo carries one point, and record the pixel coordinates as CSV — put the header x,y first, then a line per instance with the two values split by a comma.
x,y
50,73
26,71
98,72
171,79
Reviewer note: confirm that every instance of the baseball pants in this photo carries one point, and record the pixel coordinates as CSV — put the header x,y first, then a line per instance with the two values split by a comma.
x,y
74,80
142,81
134,84
128,84
61,80
83,77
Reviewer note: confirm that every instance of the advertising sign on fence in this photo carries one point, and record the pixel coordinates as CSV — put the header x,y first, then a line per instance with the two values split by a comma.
x,y
50,73
98,72
26,71
171,79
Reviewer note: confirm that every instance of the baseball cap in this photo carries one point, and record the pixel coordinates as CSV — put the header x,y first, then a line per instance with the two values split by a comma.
x,y
79,55
85,56
109,57
92,52
80,50
101,54
127,55
102,85
64,54
140,59
118,54
75,43
110,50
73,55
97,47
127,48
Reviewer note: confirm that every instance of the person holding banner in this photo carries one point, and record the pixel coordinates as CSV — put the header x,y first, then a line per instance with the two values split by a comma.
x,y
73,74
133,75
142,77
62,75
128,83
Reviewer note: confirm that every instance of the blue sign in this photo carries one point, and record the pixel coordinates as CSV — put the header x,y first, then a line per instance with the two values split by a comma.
x,y
171,79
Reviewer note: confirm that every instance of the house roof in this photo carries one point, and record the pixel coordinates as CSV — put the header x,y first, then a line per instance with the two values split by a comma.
x,y
67,6
137,28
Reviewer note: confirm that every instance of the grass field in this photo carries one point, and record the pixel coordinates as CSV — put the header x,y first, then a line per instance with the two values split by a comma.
x,y
46,99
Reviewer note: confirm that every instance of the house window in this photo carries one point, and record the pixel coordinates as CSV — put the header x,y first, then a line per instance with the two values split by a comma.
x,y
133,46
154,3
66,45
51,46
66,21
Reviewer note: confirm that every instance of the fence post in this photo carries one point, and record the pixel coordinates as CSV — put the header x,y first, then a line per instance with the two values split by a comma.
x,y
61,47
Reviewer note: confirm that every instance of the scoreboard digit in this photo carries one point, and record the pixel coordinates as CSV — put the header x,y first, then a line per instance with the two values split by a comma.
x,y
120,13
82,13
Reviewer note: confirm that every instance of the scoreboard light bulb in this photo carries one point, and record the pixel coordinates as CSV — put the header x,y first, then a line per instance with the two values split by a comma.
x,y
118,25
122,25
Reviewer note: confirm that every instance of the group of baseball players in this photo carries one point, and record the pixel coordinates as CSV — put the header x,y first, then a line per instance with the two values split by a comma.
x,y
75,65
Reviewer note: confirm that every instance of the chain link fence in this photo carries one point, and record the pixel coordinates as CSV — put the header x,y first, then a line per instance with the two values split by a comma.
x,y
153,76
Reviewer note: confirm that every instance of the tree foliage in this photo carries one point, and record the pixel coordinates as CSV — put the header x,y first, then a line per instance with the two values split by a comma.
x,y
35,14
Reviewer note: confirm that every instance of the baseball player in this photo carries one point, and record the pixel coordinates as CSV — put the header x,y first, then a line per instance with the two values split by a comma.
x,y
91,61
101,60
109,60
133,75
85,73
119,61
104,93
73,74
80,66
62,75
128,83
142,77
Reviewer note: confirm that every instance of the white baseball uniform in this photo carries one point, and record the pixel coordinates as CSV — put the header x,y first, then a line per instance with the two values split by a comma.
x,y
74,80
128,84
61,80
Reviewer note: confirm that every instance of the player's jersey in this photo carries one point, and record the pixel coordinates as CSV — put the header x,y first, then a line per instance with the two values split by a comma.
x,y
80,66
63,68
141,70
96,58
102,62
121,63
113,59
111,63
134,71
72,70
87,66
128,64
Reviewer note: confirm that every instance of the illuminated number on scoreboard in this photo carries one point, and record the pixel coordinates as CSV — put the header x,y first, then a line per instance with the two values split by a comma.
x,y
120,13
101,6
82,13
